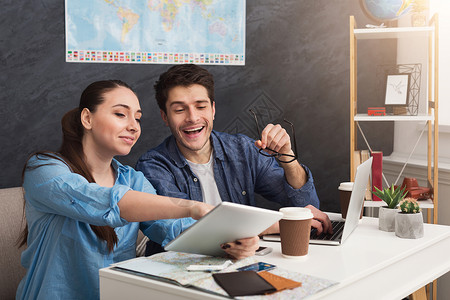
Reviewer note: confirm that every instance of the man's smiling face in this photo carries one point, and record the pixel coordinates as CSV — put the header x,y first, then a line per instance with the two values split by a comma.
x,y
190,116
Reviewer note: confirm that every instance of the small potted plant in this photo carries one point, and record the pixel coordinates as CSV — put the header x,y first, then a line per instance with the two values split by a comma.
x,y
418,15
392,196
409,221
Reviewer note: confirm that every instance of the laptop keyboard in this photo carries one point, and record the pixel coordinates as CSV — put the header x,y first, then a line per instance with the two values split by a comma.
x,y
338,227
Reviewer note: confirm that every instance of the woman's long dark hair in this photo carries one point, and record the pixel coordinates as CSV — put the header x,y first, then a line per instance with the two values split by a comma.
x,y
71,151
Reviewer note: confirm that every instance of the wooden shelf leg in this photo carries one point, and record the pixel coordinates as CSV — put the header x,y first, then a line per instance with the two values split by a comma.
x,y
420,294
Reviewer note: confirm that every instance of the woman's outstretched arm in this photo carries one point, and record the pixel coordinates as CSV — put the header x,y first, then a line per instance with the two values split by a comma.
x,y
139,207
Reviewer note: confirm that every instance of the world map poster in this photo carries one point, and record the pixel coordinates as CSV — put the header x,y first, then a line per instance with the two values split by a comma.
x,y
210,32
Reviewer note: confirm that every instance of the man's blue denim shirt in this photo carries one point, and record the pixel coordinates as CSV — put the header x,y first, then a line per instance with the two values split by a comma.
x,y
239,170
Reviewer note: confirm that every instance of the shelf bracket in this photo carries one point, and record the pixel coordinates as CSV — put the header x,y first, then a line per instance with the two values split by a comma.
x,y
406,162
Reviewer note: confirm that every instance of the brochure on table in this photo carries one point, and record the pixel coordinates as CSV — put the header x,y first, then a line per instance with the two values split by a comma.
x,y
171,267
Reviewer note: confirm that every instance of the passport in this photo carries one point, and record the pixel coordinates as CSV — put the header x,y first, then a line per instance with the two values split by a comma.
x,y
243,283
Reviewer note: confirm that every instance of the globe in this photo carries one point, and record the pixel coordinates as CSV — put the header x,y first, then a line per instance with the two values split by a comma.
x,y
385,10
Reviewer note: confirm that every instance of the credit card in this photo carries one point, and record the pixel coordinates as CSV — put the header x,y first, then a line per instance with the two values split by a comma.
x,y
259,266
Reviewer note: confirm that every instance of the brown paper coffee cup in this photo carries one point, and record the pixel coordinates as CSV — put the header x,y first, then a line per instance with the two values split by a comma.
x,y
295,229
345,191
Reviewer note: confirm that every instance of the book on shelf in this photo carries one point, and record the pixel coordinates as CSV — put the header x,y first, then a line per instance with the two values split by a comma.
x,y
365,155
359,157
377,170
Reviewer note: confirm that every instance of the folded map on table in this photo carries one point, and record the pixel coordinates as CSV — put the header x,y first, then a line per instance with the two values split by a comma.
x,y
171,267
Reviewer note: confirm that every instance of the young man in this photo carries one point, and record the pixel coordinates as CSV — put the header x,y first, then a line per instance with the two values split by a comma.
x,y
198,163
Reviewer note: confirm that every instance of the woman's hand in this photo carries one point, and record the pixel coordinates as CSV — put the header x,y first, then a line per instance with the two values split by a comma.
x,y
242,248
199,209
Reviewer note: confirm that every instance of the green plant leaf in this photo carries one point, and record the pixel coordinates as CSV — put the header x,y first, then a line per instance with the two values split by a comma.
x,y
392,196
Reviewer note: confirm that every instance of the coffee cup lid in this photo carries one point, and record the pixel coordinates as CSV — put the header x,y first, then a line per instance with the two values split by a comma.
x,y
296,213
346,186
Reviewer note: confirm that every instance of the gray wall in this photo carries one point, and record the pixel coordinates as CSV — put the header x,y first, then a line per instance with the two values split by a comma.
x,y
297,67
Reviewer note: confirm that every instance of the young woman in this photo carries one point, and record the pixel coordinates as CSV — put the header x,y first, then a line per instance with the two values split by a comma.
x,y
83,208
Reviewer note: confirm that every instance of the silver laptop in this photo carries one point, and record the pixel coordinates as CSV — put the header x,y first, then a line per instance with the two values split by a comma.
x,y
227,222
343,228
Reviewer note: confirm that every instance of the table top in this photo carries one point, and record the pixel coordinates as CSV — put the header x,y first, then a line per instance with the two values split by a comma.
x,y
369,259
369,251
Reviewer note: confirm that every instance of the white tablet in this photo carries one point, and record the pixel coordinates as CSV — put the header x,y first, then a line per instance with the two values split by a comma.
x,y
227,222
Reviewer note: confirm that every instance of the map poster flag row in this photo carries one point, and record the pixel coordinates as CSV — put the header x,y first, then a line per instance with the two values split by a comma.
x,y
155,31
98,56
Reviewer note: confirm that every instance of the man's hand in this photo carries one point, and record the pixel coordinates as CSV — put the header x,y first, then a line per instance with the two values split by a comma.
x,y
276,138
320,221
242,248
275,228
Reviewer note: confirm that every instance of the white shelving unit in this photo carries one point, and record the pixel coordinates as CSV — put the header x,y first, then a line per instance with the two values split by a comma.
x,y
431,117
392,33
422,203
418,118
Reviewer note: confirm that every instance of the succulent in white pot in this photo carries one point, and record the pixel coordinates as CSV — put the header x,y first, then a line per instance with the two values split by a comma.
x,y
409,221
386,216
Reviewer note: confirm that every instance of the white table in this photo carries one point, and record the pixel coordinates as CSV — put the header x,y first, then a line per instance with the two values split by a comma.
x,y
372,264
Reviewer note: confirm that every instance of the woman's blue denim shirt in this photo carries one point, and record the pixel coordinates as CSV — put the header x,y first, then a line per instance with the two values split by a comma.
x,y
63,254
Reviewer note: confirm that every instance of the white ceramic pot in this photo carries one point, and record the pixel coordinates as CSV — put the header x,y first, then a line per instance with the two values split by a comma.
x,y
386,218
409,226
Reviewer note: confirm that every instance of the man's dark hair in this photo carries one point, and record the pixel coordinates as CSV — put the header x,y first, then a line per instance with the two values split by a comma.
x,y
182,75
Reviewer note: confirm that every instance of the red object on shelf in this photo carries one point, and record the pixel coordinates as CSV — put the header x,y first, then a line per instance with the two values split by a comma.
x,y
415,191
377,169
376,111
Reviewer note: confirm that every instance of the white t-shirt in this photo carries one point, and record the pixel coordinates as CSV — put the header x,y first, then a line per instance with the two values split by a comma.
x,y
205,173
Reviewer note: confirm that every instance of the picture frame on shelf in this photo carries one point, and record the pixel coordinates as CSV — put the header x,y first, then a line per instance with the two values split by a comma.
x,y
397,89
415,71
